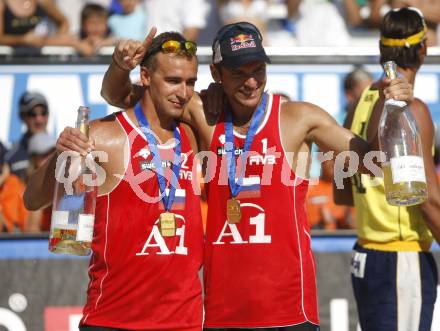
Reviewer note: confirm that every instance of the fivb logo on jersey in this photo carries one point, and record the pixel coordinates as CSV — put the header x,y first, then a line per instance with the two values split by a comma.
x,y
268,155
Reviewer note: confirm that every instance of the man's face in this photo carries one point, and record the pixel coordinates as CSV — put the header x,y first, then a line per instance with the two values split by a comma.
x,y
244,85
36,119
172,83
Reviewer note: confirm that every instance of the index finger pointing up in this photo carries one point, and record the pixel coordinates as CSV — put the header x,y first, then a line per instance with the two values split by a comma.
x,y
149,39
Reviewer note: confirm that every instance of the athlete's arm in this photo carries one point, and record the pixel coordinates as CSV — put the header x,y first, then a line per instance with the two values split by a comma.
x,y
117,88
430,208
399,89
344,196
324,131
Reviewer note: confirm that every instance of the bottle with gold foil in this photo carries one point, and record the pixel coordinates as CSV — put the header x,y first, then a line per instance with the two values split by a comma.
x,y
403,170
74,201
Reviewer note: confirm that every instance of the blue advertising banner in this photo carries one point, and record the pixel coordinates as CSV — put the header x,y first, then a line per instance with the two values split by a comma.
x,y
69,86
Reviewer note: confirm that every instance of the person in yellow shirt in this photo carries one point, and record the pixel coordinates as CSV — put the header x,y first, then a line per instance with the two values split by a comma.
x,y
394,275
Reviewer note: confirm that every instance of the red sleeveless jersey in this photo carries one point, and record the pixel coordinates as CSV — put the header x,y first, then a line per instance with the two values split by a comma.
x,y
260,272
140,280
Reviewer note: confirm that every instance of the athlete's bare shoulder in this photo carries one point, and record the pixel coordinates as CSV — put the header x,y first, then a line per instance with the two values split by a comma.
x,y
111,141
106,132
422,115
419,104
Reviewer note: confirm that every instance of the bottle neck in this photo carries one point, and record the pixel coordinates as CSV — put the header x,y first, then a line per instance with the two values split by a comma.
x,y
83,127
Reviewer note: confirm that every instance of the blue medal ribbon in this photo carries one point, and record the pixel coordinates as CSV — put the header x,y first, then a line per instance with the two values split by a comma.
x,y
157,161
234,186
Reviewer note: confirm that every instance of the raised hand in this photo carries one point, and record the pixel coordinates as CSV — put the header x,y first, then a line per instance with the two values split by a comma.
x,y
129,53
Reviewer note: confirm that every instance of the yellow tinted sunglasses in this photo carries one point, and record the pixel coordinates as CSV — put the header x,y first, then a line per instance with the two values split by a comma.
x,y
174,46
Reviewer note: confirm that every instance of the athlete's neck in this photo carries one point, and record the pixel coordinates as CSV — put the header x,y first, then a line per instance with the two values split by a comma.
x,y
242,116
161,124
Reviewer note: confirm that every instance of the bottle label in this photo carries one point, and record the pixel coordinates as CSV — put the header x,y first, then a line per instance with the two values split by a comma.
x,y
59,219
408,168
85,227
395,103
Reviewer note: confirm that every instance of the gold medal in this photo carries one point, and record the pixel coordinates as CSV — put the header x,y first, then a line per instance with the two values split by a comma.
x,y
167,224
233,211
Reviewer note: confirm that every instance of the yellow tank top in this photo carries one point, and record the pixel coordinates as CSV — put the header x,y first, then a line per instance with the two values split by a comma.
x,y
379,225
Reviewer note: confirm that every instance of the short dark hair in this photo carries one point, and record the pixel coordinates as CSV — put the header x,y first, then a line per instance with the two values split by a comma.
x,y
156,47
356,75
92,10
400,24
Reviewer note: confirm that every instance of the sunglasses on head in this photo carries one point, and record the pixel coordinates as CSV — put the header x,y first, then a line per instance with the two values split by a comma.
x,y
174,46
34,114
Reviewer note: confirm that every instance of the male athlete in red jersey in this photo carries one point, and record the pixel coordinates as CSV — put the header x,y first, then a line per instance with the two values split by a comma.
x,y
140,278
259,272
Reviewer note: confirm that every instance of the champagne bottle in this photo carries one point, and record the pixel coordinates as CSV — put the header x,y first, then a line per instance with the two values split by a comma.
x,y
403,170
73,208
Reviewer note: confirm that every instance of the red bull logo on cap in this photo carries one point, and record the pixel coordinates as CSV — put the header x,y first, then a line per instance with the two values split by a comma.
x,y
242,41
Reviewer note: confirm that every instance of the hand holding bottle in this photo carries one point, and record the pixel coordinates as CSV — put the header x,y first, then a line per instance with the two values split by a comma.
x,y
72,139
74,200
397,89
399,139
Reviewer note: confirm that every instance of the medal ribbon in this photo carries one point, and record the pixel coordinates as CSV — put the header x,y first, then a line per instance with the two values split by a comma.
x,y
157,161
234,186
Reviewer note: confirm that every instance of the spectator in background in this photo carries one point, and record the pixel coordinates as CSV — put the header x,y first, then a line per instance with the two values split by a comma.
x,y
94,27
187,17
72,11
365,13
24,23
131,23
34,112
369,13
431,12
253,11
318,23
354,84
41,146
27,26
13,214
322,212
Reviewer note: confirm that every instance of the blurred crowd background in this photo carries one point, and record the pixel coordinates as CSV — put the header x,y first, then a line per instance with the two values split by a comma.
x,y
87,27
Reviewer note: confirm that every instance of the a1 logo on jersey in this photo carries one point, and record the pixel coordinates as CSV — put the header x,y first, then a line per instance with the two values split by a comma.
x,y
230,233
156,244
